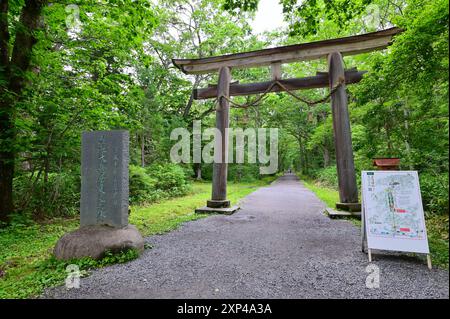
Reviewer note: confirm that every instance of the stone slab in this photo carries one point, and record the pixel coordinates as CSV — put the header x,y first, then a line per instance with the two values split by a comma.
x,y
340,213
210,210
104,178
94,241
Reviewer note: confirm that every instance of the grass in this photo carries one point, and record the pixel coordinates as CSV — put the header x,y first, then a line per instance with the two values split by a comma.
x,y
328,195
437,225
437,231
26,262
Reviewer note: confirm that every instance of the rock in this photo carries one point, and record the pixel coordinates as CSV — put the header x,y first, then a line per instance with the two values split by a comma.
x,y
94,241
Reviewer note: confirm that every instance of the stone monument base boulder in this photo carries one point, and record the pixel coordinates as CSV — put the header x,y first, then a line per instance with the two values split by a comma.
x,y
94,241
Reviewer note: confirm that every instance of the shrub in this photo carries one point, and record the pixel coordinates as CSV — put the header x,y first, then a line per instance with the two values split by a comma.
x,y
243,172
236,172
170,178
158,181
58,196
207,171
434,189
328,177
142,186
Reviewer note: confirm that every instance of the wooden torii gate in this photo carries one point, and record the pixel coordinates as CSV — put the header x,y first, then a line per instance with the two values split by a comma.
x,y
336,79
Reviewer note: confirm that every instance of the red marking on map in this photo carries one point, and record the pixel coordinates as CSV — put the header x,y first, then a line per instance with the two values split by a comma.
x,y
398,210
405,229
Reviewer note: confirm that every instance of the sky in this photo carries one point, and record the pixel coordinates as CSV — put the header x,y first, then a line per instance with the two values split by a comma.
x,y
269,16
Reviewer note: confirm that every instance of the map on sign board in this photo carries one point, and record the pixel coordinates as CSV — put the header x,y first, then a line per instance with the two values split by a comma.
x,y
392,211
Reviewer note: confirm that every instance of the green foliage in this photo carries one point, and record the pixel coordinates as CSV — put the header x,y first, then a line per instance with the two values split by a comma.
x,y
158,181
237,173
26,263
399,109
57,196
142,186
328,177
86,263
329,196
245,5
25,245
170,178
51,272
437,231
243,172
308,15
434,189
112,72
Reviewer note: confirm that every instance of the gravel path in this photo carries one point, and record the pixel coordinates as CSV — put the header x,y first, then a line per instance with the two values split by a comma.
x,y
279,245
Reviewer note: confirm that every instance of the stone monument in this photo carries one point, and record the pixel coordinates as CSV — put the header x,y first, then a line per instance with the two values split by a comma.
x,y
104,199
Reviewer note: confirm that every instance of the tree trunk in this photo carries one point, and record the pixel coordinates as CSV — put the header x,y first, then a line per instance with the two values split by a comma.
x,y
326,157
305,160
407,145
301,162
143,149
239,172
198,171
13,71
191,97
46,168
6,181
6,155
388,139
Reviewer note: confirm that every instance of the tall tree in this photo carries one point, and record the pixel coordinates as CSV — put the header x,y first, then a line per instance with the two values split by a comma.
x,y
14,65
83,59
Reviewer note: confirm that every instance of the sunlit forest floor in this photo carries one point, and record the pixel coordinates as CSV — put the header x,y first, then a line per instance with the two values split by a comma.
x,y
26,262
437,225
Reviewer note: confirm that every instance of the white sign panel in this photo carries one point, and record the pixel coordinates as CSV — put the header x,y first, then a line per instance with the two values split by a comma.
x,y
393,212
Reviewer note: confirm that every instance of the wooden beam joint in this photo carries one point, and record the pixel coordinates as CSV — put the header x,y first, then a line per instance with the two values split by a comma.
x,y
275,68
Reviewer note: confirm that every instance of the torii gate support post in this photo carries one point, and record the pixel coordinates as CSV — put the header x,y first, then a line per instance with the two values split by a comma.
x,y
348,191
218,202
220,169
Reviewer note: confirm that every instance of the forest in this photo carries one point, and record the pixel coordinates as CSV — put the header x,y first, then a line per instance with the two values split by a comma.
x,y
80,65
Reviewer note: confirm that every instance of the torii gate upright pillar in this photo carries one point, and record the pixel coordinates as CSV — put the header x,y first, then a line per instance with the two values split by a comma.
x,y
219,202
348,191
220,169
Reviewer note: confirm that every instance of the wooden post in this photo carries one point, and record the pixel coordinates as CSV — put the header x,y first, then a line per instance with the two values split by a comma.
x,y
275,69
219,182
363,226
429,262
348,192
